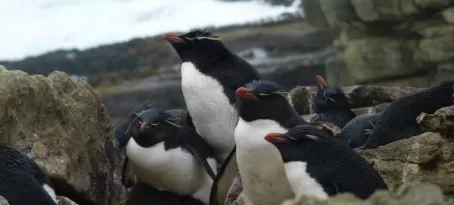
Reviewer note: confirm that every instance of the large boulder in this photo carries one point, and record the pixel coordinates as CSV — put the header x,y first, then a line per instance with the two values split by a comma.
x,y
63,126
381,42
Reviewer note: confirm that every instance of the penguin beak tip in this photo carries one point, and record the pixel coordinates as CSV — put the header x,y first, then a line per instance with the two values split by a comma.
x,y
321,82
275,138
144,126
245,94
173,38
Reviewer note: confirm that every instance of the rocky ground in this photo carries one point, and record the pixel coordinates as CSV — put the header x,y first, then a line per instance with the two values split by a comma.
x,y
65,128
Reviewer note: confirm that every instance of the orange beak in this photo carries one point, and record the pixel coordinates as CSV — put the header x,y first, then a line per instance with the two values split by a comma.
x,y
275,138
321,81
173,38
144,126
245,94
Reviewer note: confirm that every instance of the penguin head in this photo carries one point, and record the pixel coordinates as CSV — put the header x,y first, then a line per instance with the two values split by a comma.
x,y
263,100
296,138
329,98
202,48
152,126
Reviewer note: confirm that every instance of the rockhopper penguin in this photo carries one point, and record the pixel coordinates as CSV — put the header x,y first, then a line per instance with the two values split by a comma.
x,y
165,153
121,128
263,109
210,75
331,105
398,120
358,130
22,182
318,165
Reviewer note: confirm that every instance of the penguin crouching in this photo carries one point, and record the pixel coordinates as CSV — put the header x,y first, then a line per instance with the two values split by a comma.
x,y
165,153
318,165
22,182
358,130
398,120
331,105
210,75
262,108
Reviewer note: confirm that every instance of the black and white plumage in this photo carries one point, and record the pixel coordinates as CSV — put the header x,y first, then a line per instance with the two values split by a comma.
x,y
121,128
320,166
210,75
358,130
331,105
398,120
263,108
143,194
166,153
22,182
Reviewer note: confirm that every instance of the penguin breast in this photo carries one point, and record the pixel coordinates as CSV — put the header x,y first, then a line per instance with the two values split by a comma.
x,y
212,114
260,163
172,170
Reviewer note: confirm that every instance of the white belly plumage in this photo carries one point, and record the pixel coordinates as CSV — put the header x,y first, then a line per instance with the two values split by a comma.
x,y
213,115
173,170
302,182
260,164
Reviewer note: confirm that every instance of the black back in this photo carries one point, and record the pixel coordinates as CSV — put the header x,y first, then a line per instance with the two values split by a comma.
x,y
143,194
272,104
208,53
398,120
358,130
335,166
331,105
175,129
21,179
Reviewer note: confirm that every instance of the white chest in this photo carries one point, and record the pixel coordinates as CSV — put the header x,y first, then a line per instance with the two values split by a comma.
x,y
173,170
213,115
260,163
301,182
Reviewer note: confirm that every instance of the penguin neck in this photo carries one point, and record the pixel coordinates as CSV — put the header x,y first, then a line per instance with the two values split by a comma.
x,y
260,163
210,62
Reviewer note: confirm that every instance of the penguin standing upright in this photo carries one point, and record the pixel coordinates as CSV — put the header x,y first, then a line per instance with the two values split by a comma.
x,y
22,182
318,165
263,108
331,105
358,130
398,120
166,154
210,75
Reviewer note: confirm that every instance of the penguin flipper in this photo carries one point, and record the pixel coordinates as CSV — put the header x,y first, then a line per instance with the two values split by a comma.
x,y
224,180
202,159
127,175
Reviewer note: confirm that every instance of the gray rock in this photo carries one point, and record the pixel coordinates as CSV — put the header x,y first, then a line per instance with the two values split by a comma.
x,y
314,14
412,193
448,14
378,58
433,3
64,127
439,48
338,13
426,157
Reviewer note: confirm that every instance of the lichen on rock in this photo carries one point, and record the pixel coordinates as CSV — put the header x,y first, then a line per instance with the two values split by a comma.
x,y
63,126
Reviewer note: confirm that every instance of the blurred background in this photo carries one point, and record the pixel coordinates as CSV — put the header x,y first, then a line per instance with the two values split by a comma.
x,y
116,45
